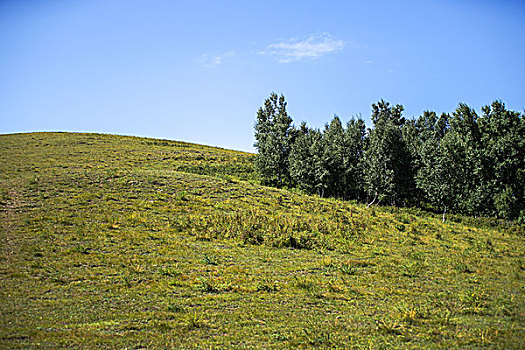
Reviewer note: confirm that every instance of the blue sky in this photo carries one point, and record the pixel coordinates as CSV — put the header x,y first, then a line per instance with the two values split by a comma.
x,y
198,70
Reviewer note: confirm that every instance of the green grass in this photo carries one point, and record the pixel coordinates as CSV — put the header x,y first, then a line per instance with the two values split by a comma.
x,y
124,242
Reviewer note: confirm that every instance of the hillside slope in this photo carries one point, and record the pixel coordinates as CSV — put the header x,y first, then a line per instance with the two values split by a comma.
x,y
125,242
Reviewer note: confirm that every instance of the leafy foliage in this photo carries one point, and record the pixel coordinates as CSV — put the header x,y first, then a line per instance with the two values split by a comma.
x,y
307,168
274,138
502,137
388,174
461,162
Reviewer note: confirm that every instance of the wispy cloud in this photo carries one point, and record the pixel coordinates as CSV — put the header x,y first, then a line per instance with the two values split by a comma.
x,y
214,61
312,47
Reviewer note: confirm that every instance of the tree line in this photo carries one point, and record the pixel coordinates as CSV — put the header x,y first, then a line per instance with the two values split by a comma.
x,y
458,162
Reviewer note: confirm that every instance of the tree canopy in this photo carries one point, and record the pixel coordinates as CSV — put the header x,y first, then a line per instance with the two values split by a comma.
x,y
460,162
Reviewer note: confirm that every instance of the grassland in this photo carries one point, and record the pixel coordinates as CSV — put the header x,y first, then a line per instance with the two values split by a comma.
x,y
125,242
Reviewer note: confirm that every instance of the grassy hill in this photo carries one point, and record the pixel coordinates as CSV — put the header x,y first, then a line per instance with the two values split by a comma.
x,y
125,242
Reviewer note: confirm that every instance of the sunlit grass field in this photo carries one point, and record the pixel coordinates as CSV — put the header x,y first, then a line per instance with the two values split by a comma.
x,y
124,242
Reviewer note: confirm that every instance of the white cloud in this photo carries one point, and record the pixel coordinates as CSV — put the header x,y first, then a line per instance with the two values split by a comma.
x,y
213,61
369,62
312,47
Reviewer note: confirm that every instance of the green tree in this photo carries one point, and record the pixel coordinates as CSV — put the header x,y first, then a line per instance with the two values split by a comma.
x,y
413,142
304,160
355,142
387,163
431,165
435,175
426,128
274,137
463,145
329,163
503,140
334,154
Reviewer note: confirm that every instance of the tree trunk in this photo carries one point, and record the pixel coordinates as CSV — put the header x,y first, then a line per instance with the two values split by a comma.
x,y
444,213
373,200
